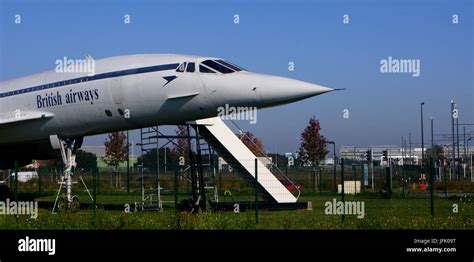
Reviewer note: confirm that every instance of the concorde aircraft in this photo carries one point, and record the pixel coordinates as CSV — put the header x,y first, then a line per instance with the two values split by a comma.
x,y
54,110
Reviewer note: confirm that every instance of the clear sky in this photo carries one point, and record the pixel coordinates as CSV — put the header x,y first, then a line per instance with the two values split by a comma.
x,y
382,107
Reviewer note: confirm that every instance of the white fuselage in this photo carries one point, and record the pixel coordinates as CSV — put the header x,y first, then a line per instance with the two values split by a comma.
x,y
130,92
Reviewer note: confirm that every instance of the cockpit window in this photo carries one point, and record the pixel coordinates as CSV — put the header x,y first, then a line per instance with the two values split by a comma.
x,y
229,65
204,69
191,67
218,67
181,67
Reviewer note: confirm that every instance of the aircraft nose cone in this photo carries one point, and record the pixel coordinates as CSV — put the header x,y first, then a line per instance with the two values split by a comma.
x,y
281,90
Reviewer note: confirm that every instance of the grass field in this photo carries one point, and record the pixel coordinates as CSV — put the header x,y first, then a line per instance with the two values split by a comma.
x,y
397,213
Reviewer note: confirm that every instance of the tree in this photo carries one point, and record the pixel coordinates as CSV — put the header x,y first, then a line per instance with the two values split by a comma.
x,y
313,146
254,144
182,148
86,160
115,151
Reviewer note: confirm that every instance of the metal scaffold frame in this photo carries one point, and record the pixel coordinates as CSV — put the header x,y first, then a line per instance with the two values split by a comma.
x,y
150,138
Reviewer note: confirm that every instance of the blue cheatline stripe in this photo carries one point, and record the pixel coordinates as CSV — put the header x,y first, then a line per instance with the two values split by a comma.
x,y
133,71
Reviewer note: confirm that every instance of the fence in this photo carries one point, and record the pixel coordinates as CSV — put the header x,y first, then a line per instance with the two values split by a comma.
x,y
399,194
405,179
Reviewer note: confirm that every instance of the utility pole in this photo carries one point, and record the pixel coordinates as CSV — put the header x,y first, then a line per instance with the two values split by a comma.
x,y
404,148
467,145
464,144
432,141
422,140
457,136
402,151
372,167
432,169
409,141
453,160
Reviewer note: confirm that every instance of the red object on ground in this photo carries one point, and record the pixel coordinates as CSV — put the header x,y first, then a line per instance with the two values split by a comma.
x,y
422,186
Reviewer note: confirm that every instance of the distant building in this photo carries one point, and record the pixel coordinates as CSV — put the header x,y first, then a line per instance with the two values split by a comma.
x,y
327,162
399,154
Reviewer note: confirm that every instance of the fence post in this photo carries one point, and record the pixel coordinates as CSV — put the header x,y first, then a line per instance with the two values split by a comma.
x,y
431,186
334,174
98,181
389,181
16,181
10,179
128,177
372,172
342,188
354,173
404,184
176,190
320,181
39,181
256,191
220,179
94,185
314,178
446,184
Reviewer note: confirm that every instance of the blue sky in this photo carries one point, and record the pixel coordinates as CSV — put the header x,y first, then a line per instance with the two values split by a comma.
x,y
382,107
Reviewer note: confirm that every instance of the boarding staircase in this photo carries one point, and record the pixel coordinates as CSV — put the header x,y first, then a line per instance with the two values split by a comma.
x,y
272,185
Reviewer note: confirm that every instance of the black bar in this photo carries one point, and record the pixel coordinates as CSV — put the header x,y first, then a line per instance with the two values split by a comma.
x,y
359,244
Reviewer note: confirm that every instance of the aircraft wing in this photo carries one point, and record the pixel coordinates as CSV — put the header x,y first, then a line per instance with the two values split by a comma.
x,y
20,116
